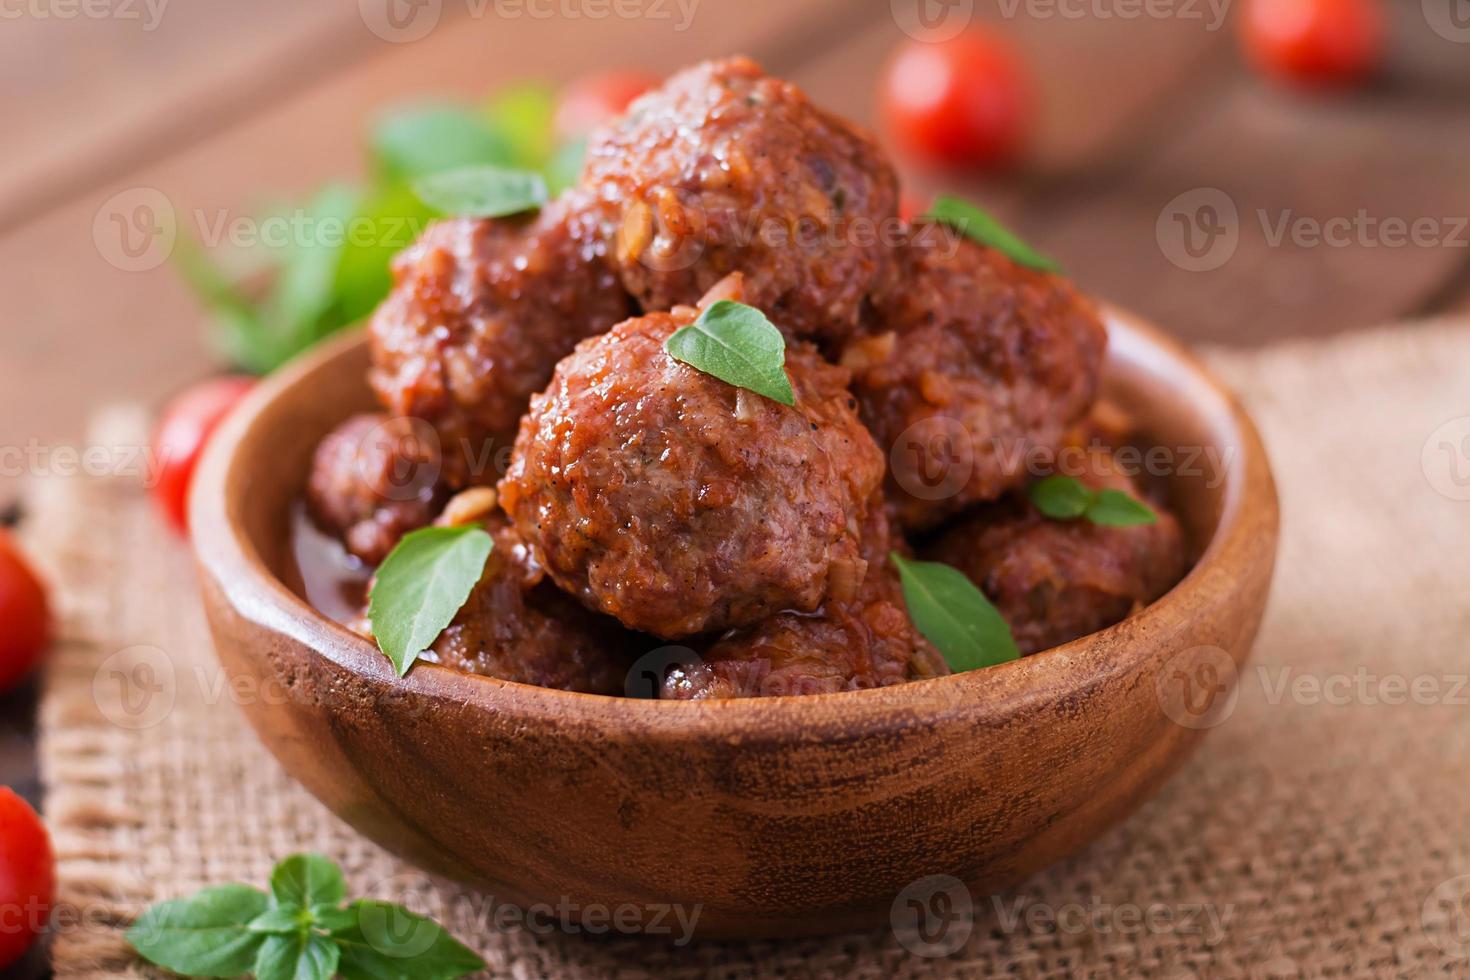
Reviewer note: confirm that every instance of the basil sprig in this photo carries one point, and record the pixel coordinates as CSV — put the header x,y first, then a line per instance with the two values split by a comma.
x,y
954,615
738,345
979,226
482,192
300,931
421,586
1065,498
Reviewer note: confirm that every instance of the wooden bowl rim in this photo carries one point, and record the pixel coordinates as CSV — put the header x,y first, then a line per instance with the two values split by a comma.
x,y
224,551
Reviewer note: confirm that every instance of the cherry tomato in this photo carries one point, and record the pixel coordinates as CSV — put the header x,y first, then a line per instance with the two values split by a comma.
x,y
27,877
1315,43
962,102
179,440
24,613
588,102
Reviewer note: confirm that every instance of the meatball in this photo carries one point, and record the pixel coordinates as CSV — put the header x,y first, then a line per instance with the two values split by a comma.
x,y
374,479
1054,581
679,503
519,627
727,169
857,641
970,364
480,312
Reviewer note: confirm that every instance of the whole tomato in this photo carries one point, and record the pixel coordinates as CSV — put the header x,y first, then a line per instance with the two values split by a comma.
x,y
27,877
964,102
182,432
25,617
590,101
1315,43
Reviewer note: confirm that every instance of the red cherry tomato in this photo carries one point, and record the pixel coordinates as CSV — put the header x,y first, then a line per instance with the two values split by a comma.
x,y
962,102
179,440
25,618
27,877
588,102
1315,43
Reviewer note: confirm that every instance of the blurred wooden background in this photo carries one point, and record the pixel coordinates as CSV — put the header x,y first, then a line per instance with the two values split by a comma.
x,y
219,106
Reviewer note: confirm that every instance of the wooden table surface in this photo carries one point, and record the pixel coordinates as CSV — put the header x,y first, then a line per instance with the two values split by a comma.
x,y
218,107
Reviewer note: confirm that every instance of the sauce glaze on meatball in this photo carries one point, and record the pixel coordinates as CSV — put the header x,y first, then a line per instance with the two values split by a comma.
x,y
726,169
374,479
854,642
1054,581
972,364
680,504
480,312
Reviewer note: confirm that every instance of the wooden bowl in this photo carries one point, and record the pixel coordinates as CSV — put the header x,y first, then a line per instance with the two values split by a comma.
x,y
778,816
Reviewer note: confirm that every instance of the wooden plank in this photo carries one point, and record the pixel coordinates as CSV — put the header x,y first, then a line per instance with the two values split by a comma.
x,y
84,330
83,97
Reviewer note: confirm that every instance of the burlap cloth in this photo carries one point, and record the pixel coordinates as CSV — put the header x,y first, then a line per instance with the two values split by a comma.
x,y
1315,834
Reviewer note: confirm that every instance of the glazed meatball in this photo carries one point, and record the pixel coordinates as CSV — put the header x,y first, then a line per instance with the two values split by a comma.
x,y
970,365
1054,581
519,627
374,479
680,504
860,640
480,312
727,169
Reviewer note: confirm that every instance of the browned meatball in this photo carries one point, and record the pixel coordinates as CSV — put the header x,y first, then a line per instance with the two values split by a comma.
x,y
519,627
480,313
727,169
374,479
972,364
853,642
1054,581
679,503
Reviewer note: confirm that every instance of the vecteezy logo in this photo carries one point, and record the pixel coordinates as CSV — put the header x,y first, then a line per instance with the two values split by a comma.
x,y
1450,19
1199,230
1445,917
933,458
933,916
1197,688
135,230
411,445
135,688
932,20
400,21
1446,459
646,676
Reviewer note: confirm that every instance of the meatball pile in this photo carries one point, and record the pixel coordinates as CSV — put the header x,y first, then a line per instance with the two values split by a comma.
x,y
636,501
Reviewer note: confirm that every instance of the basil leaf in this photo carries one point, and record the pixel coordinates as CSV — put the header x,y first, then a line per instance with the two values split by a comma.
x,y
332,919
308,879
981,227
954,615
281,920
482,192
387,221
420,587
305,286
565,168
387,942
302,956
415,141
738,345
522,115
1062,498
1114,508
204,935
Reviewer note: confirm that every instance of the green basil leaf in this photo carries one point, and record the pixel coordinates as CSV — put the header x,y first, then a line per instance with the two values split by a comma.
x,y
482,192
1062,498
565,168
302,956
415,141
981,227
954,615
388,942
204,935
387,221
738,345
304,291
304,880
522,115
282,919
1114,508
332,919
420,587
